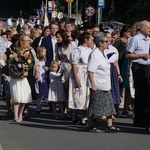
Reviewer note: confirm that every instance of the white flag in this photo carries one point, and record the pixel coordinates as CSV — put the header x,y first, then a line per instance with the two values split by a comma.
x,y
46,22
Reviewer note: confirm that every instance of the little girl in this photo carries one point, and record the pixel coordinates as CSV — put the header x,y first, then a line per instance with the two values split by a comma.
x,y
56,90
41,84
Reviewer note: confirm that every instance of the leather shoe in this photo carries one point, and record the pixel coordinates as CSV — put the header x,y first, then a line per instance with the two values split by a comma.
x,y
138,124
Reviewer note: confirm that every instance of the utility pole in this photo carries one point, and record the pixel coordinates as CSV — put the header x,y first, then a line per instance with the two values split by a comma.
x,y
69,7
77,11
101,5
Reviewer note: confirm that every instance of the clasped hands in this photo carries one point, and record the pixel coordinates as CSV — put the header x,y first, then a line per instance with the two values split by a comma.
x,y
145,56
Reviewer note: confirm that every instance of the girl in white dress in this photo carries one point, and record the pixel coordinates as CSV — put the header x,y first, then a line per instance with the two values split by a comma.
x,y
41,83
56,91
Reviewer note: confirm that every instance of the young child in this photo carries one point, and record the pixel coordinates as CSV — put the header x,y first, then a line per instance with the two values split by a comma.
x,y
56,91
41,84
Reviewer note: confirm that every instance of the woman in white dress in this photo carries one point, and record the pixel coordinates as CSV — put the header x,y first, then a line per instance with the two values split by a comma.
x,y
20,92
63,50
20,88
78,91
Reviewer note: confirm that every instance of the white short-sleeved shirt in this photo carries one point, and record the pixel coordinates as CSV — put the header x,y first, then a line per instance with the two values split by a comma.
x,y
9,22
80,53
100,66
138,45
111,53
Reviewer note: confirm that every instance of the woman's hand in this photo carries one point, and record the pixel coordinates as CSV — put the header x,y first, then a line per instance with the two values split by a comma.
x,y
37,75
120,78
94,89
78,82
46,68
25,74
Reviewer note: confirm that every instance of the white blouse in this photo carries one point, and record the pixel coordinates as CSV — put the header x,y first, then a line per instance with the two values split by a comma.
x,y
100,67
80,54
111,53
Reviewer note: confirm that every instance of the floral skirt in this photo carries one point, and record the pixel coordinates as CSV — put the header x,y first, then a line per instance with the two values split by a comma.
x,y
115,89
101,104
79,96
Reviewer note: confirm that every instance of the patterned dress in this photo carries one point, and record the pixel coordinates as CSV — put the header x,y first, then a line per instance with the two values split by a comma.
x,y
112,54
64,57
79,97
56,90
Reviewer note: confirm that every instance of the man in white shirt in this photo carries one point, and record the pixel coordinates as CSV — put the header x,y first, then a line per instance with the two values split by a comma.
x,y
9,22
139,51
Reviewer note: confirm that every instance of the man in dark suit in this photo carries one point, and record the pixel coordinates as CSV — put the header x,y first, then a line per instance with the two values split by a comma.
x,y
49,43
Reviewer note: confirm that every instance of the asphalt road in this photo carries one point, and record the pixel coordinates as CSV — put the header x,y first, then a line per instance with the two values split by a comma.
x,y
42,132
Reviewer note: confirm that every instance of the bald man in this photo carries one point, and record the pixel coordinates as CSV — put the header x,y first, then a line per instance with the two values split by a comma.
x,y
139,51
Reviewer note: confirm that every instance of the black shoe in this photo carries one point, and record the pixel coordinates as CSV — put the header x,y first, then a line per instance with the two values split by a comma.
x,y
75,122
26,116
147,129
119,114
126,113
139,124
10,114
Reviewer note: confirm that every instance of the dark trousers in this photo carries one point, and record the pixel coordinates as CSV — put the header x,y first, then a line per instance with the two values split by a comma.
x,y
142,91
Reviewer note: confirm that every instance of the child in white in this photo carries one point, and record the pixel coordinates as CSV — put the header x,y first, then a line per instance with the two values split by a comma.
x,y
56,90
42,84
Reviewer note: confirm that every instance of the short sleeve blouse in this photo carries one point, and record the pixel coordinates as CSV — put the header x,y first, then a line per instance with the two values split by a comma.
x,y
80,54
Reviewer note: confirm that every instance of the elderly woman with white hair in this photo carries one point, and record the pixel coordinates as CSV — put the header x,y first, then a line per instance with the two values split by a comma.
x,y
101,102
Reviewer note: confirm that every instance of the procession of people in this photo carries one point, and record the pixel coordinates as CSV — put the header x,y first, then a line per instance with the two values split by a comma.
x,y
83,70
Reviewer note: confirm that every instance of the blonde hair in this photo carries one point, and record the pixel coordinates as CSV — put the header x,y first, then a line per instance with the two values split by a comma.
x,y
34,33
55,62
39,51
135,28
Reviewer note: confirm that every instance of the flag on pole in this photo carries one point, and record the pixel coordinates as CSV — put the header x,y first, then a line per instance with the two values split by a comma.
x,y
53,5
46,22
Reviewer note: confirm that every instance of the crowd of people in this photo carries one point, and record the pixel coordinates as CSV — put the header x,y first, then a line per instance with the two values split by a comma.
x,y
84,70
